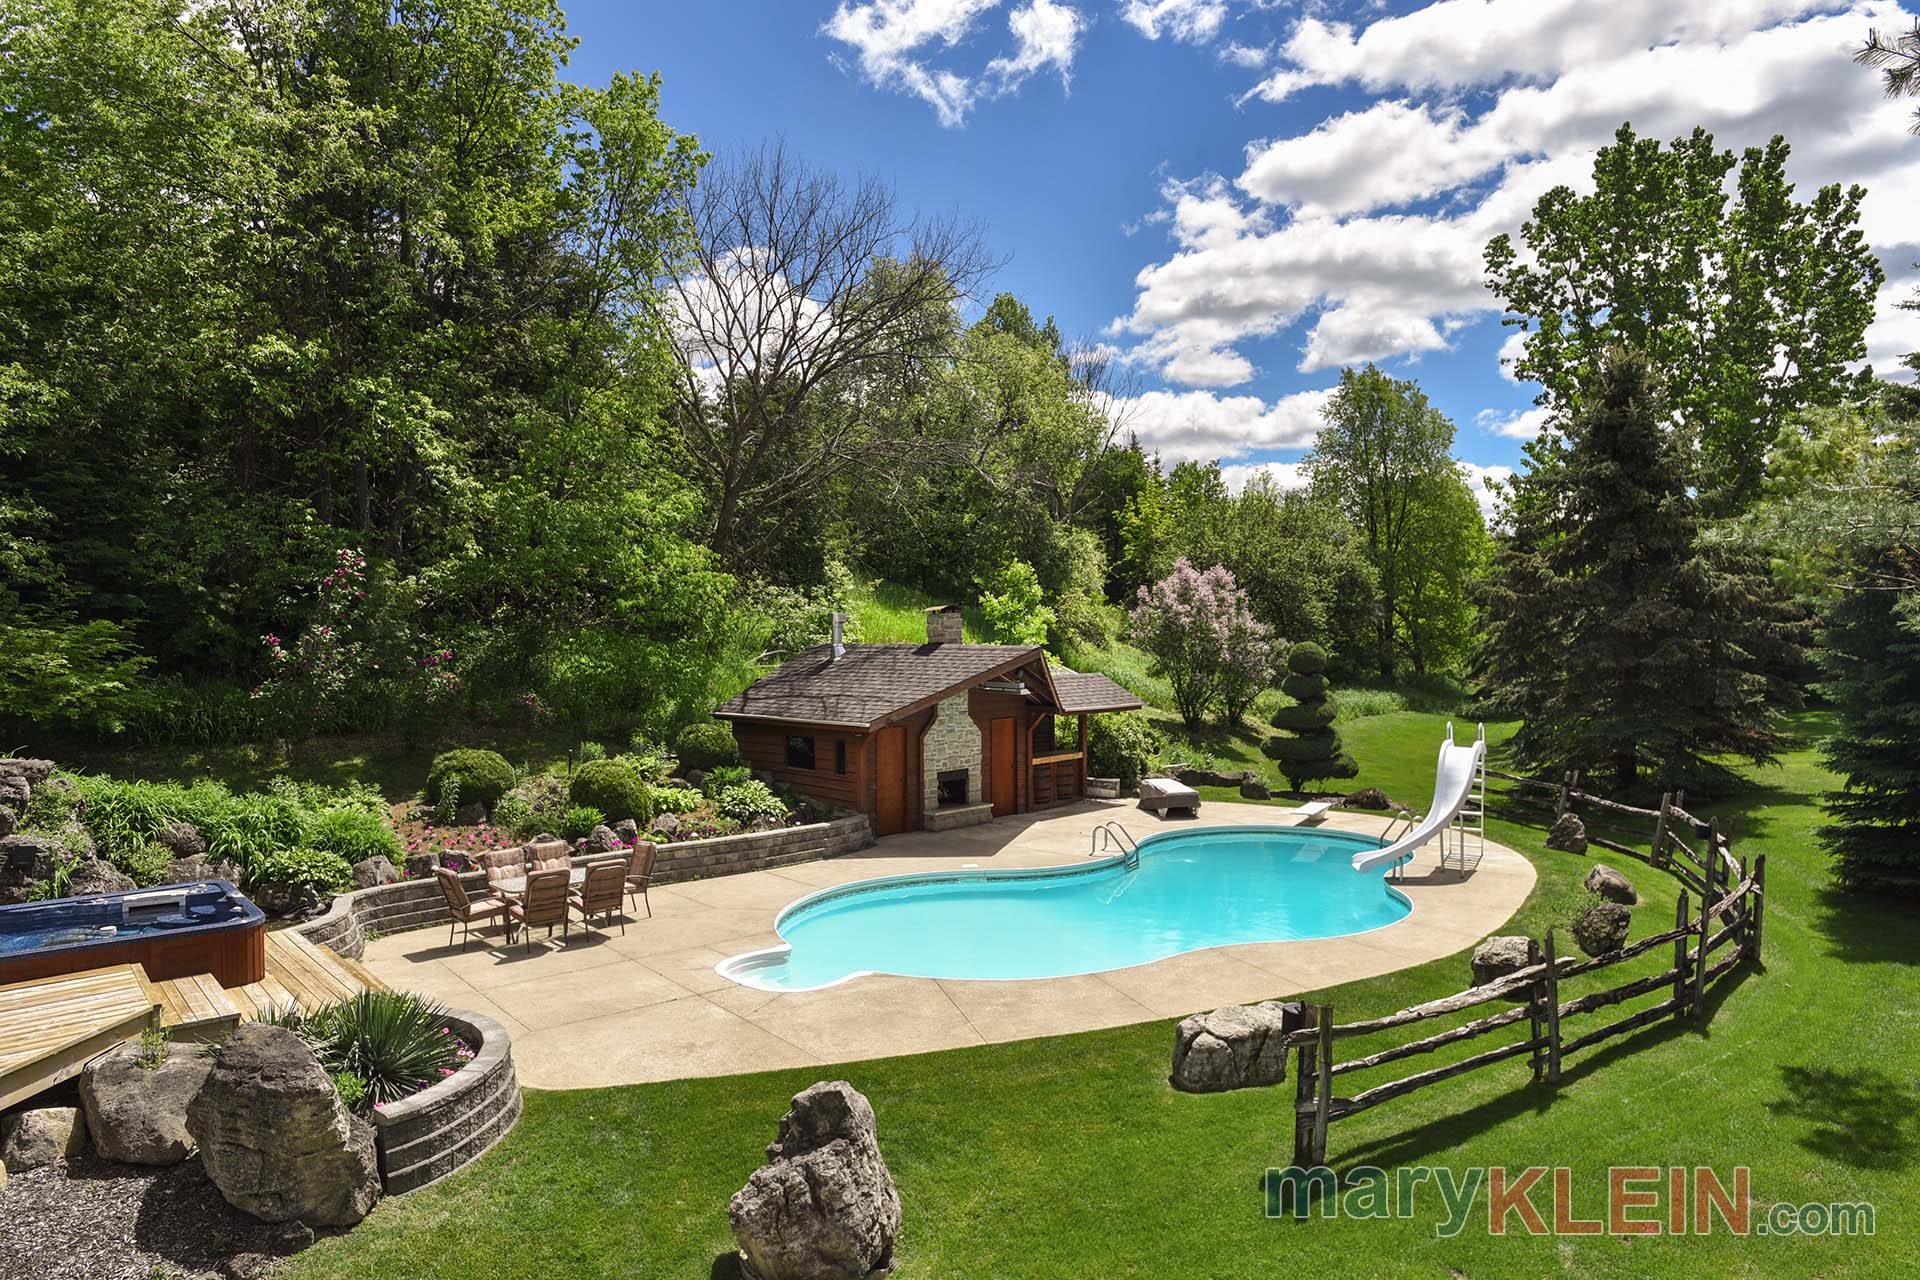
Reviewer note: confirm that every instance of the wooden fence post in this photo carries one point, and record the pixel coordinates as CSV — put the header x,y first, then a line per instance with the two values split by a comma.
x,y
1756,908
1537,1012
1660,830
1323,1080
1307,1059
1681,985
1712,869
1553,1013
1563,800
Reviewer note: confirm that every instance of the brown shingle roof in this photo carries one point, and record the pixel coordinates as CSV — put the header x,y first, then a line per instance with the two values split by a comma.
x,y
871,682
1090,691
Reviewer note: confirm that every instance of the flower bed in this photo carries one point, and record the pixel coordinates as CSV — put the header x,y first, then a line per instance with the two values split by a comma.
x,y
425,1137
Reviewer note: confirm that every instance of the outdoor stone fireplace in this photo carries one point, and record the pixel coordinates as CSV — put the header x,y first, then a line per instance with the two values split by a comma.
x,y
951,770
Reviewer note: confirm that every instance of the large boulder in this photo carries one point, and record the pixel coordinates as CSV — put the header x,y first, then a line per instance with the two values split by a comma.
x,y
1197,777
274,1137
14,795
25,861
369,872
1254,789
1235,1047
32,772
284,897
824,1206
1499,956
97,875
470,815
1611,885
601,840
627,829
1568,834
665,824
187,870
29,1139
137,1113
1602,928
181,839
1367,798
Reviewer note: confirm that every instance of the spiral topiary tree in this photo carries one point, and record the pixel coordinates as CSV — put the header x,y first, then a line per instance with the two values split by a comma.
x,y
1308,749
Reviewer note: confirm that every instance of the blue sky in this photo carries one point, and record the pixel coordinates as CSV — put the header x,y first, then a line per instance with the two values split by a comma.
x,y
1239,196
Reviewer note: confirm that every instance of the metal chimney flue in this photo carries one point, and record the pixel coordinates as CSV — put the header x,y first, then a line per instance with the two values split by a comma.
x,y
839,635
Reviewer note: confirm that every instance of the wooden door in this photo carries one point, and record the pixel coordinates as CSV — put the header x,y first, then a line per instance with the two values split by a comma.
x,y
890,780
1000,756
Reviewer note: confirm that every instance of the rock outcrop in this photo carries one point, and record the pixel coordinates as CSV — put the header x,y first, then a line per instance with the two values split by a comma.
x,y
370,872
824,1206
1499,956
274,1138
1568,834
137,1114
1235,1047
29,1139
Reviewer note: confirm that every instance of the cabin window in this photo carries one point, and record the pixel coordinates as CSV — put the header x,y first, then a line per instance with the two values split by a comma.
x,y
840,756
799,752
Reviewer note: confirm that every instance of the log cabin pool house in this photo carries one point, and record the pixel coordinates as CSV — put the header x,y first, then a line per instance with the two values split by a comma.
x,y
924,736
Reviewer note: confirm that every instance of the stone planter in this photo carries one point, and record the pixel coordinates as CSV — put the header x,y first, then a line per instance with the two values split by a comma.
x,y
439,1130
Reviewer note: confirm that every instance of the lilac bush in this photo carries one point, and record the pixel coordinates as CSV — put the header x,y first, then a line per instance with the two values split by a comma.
x,y
1199,629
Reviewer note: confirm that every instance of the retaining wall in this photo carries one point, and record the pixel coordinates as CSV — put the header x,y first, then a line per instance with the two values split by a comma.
x,y
428,1136
416,904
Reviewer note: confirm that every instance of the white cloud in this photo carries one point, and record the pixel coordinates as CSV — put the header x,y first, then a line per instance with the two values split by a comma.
x,y
1286,475
1194,21
1521,424
1477,479
1371,225
1511,351
895,40
1894,333
1200,426
1245,56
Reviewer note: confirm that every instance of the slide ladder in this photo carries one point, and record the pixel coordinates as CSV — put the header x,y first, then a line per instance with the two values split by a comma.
x,y
1469,826
1459,777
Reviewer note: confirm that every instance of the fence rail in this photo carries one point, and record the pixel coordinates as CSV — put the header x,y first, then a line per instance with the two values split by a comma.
x,y
1709,874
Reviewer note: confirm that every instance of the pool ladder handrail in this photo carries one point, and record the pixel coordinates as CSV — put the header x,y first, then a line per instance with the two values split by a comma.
x,y
1111,835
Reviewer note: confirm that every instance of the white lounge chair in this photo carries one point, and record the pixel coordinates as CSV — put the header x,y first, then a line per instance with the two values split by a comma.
x,y
1162,794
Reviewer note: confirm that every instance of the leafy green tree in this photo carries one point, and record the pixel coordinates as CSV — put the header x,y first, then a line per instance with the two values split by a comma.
x,y
1014,606
1308,748
1446,551
1196,626
1625,646
1381,458
1749,308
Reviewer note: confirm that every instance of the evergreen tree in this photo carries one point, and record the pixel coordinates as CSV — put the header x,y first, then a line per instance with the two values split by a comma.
x,y
1871,654
1308,748
1623,644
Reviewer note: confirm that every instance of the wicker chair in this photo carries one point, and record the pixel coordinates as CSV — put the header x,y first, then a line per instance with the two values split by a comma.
x,y
503,864
545,902
602,893
464,910
640,872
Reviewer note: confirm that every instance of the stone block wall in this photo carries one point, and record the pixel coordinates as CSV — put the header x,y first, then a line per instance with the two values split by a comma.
x,y
439,1130
417,904
952,742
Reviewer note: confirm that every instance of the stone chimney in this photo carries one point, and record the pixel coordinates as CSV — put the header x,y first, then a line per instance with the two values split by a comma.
x,y
945,624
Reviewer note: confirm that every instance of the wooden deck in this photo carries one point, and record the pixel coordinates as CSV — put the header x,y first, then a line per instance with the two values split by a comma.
x,y
299,973
51,1027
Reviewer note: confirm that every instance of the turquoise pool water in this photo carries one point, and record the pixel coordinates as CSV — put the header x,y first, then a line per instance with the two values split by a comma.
x,y
1190,890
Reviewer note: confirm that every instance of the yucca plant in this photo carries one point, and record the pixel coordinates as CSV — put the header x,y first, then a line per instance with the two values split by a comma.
x,y
397,1042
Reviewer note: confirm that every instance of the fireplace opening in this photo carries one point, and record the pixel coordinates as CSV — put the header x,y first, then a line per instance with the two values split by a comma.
x,y
953,786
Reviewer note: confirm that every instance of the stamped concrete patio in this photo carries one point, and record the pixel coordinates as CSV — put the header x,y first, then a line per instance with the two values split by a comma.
x,y
605,1009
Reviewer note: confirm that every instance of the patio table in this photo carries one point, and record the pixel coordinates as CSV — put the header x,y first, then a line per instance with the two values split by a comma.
x,y
514,886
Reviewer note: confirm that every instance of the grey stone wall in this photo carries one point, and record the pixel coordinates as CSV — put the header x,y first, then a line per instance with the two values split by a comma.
x,y
952,742
416,904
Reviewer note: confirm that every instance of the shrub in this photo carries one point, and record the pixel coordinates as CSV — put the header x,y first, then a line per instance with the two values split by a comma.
x,y
484,776
354,834
578,822
515,815
653,764
707,744
746,801
591,750
615,788
677,800
352,1090
325,873
1122,745
446,810
1014,606
148,864
1307,748
396,1043
727,775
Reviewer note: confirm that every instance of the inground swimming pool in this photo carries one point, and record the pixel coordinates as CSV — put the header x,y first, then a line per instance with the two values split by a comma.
x,y
1188,890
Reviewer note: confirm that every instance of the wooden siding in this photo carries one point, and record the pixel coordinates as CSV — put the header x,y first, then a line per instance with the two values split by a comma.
x,y
764,746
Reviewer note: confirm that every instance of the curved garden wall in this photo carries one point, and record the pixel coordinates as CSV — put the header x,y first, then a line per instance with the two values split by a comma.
x,y
415,904
428,1136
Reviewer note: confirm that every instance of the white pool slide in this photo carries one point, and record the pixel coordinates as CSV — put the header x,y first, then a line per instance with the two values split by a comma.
x,y
1453,786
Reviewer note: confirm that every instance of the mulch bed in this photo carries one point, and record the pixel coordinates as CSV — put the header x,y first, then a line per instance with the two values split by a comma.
x,y
87,1219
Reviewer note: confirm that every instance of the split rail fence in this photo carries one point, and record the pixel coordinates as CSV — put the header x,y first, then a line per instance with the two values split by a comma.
x,y
1693,851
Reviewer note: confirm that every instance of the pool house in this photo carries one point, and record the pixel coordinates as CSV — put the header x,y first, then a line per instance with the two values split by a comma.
x,y
925,736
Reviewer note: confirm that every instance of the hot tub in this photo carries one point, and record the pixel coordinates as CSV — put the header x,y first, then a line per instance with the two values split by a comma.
x,y
173,931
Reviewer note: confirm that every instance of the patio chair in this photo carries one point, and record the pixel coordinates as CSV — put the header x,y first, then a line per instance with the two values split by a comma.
x,y
550,855
640,872
602,892
545,902
464,910
503,864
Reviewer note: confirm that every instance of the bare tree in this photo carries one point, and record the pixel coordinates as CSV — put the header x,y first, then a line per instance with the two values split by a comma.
x,y
816,312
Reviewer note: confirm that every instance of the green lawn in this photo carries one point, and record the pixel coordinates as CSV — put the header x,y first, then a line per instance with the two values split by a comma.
x,y
1071,1157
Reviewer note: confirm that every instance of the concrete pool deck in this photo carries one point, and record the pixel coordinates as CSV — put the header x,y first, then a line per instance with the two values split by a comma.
x,y
605,1009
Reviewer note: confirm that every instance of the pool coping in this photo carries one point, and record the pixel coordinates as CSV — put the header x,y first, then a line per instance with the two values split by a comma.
x,y
606,1008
